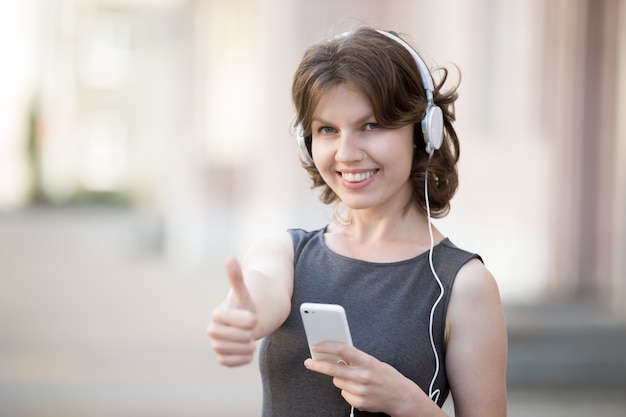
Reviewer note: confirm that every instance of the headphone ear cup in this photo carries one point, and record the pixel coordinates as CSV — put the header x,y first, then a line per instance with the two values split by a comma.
x,y
432,129
303,149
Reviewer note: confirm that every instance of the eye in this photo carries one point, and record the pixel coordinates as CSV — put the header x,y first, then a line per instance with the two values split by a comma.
x,y
326,130
371,126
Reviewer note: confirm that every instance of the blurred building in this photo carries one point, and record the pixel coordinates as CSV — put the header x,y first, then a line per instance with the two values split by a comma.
x,y
181,109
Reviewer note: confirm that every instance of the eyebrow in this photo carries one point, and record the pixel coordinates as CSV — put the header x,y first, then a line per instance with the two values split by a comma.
x,y
360,120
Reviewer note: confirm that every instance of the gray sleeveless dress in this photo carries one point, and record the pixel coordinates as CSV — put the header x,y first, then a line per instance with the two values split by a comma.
x,y
388,307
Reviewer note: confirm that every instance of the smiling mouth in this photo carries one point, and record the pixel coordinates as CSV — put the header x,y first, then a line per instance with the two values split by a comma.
x,y
357,177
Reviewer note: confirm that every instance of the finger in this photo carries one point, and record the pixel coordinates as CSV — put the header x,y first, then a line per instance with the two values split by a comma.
x,y
349,354
218,331
238,285
234,360
226,348
237,318
328,368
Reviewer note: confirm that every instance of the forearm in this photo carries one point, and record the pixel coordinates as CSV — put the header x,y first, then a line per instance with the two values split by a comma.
x,y
415,403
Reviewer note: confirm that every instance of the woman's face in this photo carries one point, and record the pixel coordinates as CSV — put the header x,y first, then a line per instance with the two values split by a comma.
x,y
366,165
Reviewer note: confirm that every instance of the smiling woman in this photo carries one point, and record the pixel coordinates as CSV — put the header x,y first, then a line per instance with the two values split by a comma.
x,y
425,316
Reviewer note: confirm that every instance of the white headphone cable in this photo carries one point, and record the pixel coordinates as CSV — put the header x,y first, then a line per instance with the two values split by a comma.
x,y
433,395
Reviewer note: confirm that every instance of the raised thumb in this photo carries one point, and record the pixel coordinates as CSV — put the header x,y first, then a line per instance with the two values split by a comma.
x,y
239,290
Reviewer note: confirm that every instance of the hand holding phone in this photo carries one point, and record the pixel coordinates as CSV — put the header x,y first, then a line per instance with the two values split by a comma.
x,y
325,323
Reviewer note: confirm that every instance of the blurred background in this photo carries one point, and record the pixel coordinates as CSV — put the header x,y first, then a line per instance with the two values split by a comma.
x,y
142,141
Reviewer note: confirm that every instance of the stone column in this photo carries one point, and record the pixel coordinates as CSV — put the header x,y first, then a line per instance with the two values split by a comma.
x,y
580,106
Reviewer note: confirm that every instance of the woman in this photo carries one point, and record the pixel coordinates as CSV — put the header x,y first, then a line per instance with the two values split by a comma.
x,y
377,138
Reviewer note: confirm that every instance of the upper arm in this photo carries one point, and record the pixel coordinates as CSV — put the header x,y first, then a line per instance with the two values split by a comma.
x,y
268,273
476,348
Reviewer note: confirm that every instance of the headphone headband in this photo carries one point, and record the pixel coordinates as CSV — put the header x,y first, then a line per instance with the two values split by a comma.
x,y
427,81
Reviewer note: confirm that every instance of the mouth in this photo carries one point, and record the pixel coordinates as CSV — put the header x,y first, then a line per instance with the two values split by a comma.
x,y
355,177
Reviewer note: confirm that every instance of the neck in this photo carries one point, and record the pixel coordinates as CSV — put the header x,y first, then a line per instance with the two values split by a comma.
x,y
366,226
381,238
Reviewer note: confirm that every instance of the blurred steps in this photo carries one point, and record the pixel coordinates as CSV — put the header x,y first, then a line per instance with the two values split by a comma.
x,y
568,345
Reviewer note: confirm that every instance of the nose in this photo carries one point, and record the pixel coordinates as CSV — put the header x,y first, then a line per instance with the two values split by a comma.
x,y
348,148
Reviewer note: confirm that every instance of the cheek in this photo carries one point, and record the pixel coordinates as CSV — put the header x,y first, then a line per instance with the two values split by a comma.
x,y
402,161
400,155
325,172
408,151
319,160
322,155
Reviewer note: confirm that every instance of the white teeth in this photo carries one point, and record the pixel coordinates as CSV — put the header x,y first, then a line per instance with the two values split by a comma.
x,y
358,177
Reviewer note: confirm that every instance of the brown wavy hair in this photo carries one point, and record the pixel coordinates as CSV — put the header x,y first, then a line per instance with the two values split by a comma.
x,y
387,74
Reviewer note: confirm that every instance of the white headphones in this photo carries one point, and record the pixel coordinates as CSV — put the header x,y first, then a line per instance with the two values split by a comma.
x,y
432,123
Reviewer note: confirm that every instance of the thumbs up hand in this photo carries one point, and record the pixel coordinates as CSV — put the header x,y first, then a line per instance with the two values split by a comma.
x,y
233,322
239,297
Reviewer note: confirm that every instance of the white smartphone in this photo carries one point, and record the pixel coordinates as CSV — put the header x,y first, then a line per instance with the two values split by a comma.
x,y
325,323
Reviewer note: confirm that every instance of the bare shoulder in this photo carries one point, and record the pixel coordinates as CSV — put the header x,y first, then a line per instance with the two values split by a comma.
x,y
475,283
274,249
475,299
